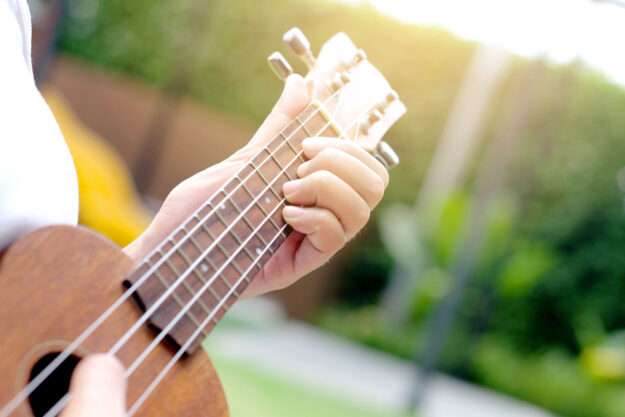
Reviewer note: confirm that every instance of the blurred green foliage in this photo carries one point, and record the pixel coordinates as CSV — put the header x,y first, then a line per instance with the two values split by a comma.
x,y
553,250
550,379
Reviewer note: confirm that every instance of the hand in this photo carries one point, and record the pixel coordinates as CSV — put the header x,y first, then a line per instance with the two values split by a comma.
x,y
98,388
190,194
331,202
339,187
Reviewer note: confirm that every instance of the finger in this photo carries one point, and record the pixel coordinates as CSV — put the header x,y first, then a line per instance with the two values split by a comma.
x,y
313,146
364,180
281,270
292,102
325,190
98,388
324,235
321,226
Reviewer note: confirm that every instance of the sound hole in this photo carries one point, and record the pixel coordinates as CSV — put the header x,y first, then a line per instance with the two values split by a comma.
x,y
54,387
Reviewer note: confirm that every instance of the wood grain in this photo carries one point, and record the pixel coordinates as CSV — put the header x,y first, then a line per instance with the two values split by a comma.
x,y
53,283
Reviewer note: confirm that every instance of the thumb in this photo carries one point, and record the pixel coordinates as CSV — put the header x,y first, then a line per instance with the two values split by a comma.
x,y
98,388
292,101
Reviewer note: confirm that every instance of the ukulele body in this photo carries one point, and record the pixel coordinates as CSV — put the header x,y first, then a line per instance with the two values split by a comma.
x,y
54,283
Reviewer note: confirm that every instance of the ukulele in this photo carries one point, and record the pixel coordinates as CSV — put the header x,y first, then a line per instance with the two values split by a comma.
x,y
66,292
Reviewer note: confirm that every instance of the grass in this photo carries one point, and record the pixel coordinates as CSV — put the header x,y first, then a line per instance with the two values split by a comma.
x,y
254,393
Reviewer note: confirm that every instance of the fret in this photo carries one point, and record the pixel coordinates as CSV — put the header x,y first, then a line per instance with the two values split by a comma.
x,y
203,225
218,214
275,160
262,177
188,313
207,230
184,282
252,228
230,232
212,264
203,281
290,145
240,243
261,208
245,246
304,128
193,242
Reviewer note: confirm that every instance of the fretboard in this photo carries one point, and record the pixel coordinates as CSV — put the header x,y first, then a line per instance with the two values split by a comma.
x,y
212,257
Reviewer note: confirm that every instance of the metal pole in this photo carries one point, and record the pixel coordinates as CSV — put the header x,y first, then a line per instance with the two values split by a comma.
x,y
459,140
516,111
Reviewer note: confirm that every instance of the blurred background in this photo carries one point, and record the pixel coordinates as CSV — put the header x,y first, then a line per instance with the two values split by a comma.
x,y
490,280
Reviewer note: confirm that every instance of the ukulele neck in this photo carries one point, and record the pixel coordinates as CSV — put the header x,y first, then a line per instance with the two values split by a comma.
x,y
202,268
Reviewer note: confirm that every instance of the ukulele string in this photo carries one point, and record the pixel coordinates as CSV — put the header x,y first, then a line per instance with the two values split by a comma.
x,y
196,333
45,373
52,366
122,341
147,314
216,274
63,401
201,292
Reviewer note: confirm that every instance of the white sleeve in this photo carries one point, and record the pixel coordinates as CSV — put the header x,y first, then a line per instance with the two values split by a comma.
x,y
38,184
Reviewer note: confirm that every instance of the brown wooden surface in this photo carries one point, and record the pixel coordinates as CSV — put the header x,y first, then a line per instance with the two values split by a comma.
x,y
53,283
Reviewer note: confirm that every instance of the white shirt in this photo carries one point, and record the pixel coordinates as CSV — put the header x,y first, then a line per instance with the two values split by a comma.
x,y
38,184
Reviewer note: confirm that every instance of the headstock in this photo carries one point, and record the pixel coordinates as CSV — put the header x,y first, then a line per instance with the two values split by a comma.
x,y
348,88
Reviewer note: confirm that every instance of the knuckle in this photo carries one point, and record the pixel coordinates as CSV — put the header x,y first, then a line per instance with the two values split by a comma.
x,y
329,155
351,147
336,234
380,168
376,189
322,178
361,214
385,177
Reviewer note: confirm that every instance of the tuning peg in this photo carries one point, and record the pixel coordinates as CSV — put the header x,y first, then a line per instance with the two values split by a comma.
x,y
300,46
357,58
279,65
338,81
375,116
386,155
390,97
369,119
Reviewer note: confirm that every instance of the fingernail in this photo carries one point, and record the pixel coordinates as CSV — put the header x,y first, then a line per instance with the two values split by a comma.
x,y
290,187
302,169
292,212
312,144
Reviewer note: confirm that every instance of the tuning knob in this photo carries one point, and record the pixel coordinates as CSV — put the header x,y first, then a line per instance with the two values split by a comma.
x,y
338,81
300,46
279,65
390,97
358,57
369,120
386,155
